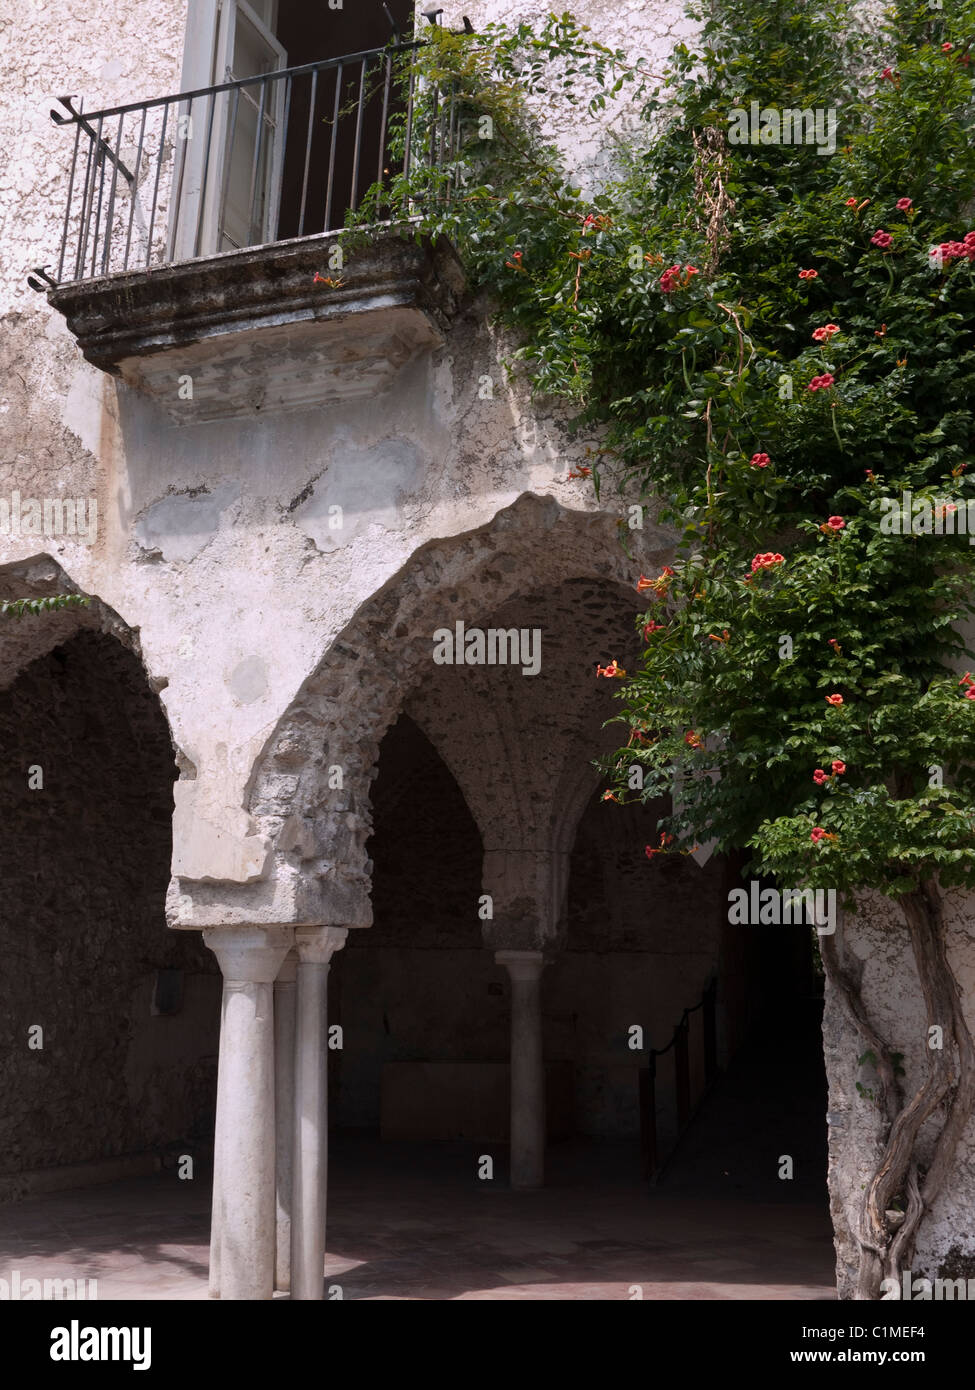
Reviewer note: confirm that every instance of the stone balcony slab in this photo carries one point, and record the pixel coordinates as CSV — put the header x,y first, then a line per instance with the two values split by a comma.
x,y
256,333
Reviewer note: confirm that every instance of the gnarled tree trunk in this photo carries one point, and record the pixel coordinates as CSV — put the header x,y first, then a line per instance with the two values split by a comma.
x,y
898,1184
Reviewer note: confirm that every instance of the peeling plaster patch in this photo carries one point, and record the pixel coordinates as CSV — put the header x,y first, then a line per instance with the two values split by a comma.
x,y
179,527
370,485
442,395
248,680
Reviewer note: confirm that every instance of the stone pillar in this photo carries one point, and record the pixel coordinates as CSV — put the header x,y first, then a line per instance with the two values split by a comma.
x,y
527,1067
315,947
213,1287
243,1185
284,1114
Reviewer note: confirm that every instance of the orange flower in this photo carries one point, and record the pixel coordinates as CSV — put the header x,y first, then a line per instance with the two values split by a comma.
x,y
693,740
834,700
613,669
658,586
665,841
581,472
611,796
722,638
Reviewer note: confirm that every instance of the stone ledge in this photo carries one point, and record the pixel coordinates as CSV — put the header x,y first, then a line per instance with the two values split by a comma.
x,y
255,332
35,1182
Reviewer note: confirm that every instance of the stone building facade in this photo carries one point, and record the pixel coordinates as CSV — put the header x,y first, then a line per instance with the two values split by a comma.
x,y
287,495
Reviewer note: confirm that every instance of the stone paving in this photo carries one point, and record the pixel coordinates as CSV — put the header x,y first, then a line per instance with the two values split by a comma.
x,y
409,1221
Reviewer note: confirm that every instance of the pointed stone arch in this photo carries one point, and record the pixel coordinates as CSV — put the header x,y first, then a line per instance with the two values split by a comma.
x,y
309,790
87,782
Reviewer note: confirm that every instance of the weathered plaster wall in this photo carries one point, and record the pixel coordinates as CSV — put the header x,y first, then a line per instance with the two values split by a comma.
x,y
643,29
57,413
84,863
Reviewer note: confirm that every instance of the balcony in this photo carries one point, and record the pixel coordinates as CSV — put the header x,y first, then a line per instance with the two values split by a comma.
x,y
201,236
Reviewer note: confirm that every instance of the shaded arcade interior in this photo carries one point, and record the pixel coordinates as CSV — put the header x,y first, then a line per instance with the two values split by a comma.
x,y
126,1075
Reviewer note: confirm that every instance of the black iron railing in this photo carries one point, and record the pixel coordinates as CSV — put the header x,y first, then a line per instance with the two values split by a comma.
x,y
244,163
685,1100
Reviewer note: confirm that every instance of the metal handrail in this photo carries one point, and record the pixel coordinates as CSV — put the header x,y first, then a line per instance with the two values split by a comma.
x,y
679,1042
346,60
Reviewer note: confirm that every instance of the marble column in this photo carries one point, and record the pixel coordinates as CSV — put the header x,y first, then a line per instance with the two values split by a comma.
x,y
284,1114
213,1286
242,1243
527,1067
315,947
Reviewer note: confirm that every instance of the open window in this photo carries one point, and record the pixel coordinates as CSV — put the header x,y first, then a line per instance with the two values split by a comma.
x,y
271,159
250,121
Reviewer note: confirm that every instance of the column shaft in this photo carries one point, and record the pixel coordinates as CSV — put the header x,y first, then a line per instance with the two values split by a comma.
x,y
527,1160
284,1115
315,947
244,1142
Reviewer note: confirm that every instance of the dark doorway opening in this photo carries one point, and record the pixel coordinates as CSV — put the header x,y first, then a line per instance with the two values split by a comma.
x,y
121,1062
335,138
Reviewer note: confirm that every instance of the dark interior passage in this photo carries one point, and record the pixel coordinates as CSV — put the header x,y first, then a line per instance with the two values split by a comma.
x,y
425,1009
128,1010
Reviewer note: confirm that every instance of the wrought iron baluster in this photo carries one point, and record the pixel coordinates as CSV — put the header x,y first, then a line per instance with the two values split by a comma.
x,y
67,210
100,161
226,170
312,99
204,176
134,187
85,210
155,190
255,165
331,154
358,136
111,197
282,155
408,131
387,83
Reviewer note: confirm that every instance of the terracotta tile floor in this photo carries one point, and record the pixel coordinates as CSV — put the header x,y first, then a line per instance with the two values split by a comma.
x,y
413,1222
